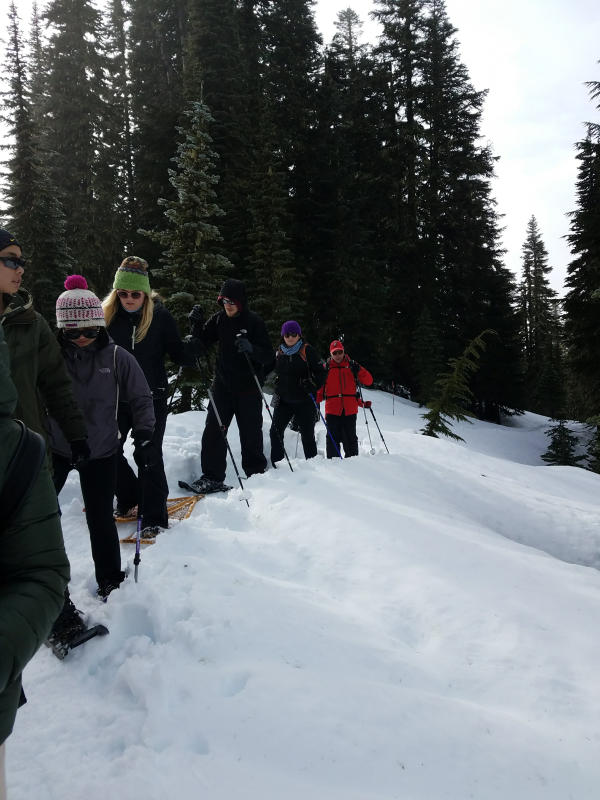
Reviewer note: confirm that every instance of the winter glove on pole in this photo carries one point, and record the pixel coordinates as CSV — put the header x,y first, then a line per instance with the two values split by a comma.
x,y
80,453
196,320
145,452
243,345
367,403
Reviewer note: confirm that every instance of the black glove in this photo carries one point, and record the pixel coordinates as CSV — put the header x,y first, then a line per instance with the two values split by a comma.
x,y
196,320
145,452
307,385
243,345
80,453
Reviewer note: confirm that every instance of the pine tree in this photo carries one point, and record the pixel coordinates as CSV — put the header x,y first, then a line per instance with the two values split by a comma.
x,y
537,319
36,216
192,266
155,43
563,443
455,397
582,323
427,356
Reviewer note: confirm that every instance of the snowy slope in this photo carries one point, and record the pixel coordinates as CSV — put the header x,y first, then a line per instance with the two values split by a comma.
x,y
420,625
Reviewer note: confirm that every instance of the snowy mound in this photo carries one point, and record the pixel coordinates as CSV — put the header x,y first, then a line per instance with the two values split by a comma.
x,y
419,625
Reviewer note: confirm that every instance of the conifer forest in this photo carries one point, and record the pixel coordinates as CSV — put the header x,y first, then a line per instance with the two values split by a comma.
x,y
348,184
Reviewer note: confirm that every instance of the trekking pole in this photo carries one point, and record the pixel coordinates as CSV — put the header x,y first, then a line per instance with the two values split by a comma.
x,y
175,383
393,397
243,332
362,400
224,434
297,440
337,449
138,533
379,429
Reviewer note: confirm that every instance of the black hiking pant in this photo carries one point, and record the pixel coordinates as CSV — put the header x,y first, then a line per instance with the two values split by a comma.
x,y
151,487
247,409
97,479
305,417
343,429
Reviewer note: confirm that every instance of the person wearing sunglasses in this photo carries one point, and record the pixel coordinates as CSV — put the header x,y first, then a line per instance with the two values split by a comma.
x,y
300,374
138,322
102,374
244,351
340,393
37,368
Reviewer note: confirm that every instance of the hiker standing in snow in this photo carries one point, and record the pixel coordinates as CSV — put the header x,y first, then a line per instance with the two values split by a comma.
x,y
299,375
138,322
341,401
40,377
242,338
102,374
34,569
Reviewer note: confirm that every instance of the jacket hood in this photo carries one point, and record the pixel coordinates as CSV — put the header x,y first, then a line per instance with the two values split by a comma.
x,y
8,393
235,290
17,304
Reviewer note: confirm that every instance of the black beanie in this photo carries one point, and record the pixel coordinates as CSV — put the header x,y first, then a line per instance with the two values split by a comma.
x,y
6,239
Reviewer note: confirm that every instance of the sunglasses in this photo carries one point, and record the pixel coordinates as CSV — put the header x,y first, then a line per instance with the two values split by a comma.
x,y
134,295
337,352
13,263
87,333
227,302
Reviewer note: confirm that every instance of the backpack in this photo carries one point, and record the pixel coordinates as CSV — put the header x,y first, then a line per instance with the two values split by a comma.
x,y
22,472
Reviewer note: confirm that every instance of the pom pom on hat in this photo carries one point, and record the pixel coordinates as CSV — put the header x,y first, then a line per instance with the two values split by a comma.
x,y
78,307
76,282
291,328
132,275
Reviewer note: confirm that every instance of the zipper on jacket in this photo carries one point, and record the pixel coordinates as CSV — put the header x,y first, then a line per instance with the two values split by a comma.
x,y
133,337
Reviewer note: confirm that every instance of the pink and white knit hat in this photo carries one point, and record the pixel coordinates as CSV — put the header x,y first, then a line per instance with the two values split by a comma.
x,y
78,307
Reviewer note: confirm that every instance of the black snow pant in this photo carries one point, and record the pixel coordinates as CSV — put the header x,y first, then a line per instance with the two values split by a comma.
x,y
154,488
343,429
97,479
247,409
305,416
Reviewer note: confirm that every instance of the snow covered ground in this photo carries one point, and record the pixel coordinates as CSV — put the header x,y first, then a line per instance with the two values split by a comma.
x,y
420,625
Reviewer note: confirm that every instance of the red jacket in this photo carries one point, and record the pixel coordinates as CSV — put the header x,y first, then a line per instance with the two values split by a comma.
x,y
340,387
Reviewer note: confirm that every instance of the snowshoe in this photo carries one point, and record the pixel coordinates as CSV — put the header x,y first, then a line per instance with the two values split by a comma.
x,y
61,647
205,486
106,587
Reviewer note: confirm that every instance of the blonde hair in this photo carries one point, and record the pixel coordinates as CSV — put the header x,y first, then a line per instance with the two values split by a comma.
x,y
112,303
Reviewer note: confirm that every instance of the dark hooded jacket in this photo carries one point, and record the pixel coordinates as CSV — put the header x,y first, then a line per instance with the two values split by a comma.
x,y
102,375
232,370
34,569
298,374
162,339
38,370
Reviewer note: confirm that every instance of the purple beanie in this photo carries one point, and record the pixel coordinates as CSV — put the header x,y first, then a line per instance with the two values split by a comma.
x,y
291,328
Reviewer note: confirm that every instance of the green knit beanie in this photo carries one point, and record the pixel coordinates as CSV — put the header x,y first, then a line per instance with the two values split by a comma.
x,y
132,275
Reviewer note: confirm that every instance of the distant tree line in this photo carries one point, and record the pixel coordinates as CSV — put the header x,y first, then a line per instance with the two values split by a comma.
x,y
347,184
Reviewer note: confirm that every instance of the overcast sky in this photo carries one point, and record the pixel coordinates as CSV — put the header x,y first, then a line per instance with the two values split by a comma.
x,y
534,57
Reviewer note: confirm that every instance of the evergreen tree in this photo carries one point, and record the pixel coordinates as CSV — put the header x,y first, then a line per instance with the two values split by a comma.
x,y
427,356
155,33
563,443
455,396
593,448
582,323
75,112
193,268
537,320
35,214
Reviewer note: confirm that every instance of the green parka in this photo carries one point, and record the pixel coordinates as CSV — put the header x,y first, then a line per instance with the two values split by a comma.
x,y
34,569
38,370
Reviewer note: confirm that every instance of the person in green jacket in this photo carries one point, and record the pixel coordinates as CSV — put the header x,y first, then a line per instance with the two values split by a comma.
x,y
34,569
36,363
41,378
